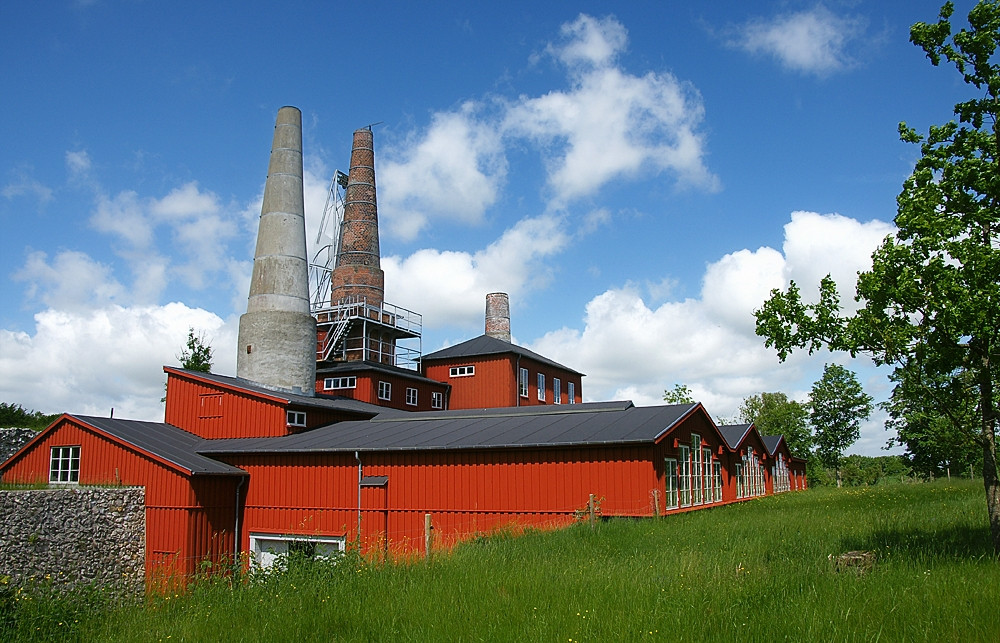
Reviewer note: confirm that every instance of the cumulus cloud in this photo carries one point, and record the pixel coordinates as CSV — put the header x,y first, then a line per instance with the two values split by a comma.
x,y
630,348
71,281
815,41
453,170
608,125
90,361
611,124
514,263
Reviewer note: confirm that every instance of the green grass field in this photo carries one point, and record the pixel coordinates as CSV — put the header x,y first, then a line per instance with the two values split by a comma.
x,y
756,571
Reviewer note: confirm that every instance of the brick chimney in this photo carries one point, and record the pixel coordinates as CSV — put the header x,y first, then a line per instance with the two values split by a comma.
x,y
498,316
358,273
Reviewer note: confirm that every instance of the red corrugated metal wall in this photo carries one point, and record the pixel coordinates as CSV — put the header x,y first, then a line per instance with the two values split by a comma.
x,y
187,519
466,492
207,411
492,385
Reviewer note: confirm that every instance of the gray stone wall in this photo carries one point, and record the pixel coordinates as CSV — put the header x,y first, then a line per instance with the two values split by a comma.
x,y
13,439
74,536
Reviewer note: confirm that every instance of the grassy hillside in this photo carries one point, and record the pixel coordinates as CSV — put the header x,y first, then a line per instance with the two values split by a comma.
x,y
760,570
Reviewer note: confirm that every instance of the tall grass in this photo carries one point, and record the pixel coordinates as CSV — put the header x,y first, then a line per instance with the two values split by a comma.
x,y
760,570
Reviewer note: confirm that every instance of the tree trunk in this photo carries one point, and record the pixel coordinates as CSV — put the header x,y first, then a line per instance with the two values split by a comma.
x,y
840,480
991,481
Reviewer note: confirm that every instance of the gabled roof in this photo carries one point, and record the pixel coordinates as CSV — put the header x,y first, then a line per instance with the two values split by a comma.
x,y
486,345
734,434
318,401
618,423
771,442
164,442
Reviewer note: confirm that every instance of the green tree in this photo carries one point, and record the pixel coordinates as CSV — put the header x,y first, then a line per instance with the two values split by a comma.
x,y
837,407
15,415
680,394
931,301
922,425
775,414
197,356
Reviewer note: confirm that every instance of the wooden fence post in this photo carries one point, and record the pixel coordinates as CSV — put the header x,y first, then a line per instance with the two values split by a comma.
x,y
656,503
428,537
590,510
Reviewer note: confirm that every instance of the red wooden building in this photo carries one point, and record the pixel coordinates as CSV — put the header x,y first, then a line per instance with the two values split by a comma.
x,y
483,434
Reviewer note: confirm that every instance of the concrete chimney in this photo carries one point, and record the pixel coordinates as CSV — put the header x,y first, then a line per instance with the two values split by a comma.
x,y
358,272
277,336
498,316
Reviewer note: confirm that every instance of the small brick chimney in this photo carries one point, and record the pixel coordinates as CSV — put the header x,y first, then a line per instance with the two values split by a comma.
x,y
498,316
358,273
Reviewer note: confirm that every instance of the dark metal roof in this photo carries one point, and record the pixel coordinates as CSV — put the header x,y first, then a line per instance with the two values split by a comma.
x,y
486,345
619,424
734,434
771,442
163,441
318,401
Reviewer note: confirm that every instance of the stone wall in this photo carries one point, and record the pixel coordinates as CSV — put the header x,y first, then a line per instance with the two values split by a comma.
x,y
13,439
74,536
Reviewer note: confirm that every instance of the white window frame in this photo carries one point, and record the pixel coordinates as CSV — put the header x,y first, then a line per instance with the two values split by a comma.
x,y
295,418
670,481
270,551
333,383
462,371
684,475
696,466
384,390
571,392
556,391
522,383
64,465
411,396
541,387
706,461
437,400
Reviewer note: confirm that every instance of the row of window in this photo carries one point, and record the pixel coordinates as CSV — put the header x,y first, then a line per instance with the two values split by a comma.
x,y
384,390
749,476
694,477
556,388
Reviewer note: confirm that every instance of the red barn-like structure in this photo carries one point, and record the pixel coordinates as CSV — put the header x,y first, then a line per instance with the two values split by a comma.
x,y
480,435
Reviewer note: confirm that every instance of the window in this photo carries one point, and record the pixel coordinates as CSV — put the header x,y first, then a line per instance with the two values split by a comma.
x,y
384,391
670,473
556,391
411,396
296,418
696,468
437,400
462,371
64,465
685,476
717,473
273,551
522,383
571,392
541,386
706,461
331,383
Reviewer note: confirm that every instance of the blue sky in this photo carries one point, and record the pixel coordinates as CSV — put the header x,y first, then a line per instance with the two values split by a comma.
x,y
637,181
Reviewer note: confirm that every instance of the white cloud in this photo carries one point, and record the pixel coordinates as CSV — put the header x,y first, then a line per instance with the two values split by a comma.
x,y
72,281
512,264
90,361
24,184
452,171
611,124
631,349
813,41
